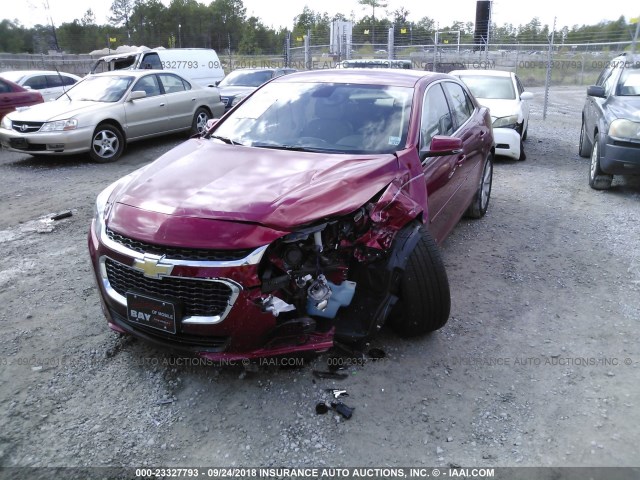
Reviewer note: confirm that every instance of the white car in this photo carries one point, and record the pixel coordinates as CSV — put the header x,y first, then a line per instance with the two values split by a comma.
x,y
503,94
49,83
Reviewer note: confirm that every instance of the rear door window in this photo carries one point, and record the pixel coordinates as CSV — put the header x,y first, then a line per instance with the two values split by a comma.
x,y
461,104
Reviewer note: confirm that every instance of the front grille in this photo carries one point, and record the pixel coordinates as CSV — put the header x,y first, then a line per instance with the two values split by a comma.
x,y
178,253
27,127
204,298
179,340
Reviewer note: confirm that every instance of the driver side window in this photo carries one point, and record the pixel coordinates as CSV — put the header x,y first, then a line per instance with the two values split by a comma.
x,y
436,117
148,84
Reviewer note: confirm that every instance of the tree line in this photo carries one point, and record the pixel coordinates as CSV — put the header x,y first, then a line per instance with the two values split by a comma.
x,y
225,26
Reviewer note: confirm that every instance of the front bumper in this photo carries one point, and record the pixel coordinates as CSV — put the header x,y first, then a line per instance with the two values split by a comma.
x,y
241,329
507,142
620,157
49,143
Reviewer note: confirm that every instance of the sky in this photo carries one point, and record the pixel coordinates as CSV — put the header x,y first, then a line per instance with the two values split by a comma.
x,y
516,12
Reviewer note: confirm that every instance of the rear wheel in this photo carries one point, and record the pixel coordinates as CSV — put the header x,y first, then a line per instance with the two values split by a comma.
x,y
584,148
425,300
597,179
107,144
480,202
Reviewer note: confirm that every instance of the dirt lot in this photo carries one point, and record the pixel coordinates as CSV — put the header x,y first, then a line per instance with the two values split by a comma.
x,y
538,365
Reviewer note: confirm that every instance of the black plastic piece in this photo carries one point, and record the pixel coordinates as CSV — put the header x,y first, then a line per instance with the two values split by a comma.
x,y
342,409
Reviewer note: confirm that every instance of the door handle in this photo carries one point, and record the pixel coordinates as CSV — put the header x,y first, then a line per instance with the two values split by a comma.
x,y
162,104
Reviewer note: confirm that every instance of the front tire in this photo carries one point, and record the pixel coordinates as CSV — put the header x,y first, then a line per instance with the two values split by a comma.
x,y
425,300
597,179
107,144
199,124
584,147
480,202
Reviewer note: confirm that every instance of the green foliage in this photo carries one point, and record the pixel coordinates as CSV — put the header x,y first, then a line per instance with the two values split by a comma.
x,y
224,26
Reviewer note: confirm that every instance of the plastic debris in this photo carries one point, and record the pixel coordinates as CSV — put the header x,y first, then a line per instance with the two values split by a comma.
x,y
342,409
321,408
337,393
61,215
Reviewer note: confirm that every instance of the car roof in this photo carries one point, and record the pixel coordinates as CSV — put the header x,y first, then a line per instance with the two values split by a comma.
x,y
365,76
485,73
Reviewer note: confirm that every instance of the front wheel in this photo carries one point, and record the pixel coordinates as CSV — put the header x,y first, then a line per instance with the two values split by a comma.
x,y
425,300
107,144
199,124
584,147
480,202
597,179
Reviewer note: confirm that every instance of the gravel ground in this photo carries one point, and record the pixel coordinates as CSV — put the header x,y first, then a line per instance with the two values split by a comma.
x,y
538,365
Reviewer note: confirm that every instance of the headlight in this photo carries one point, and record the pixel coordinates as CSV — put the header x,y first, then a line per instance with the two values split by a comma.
x,y
103,206
622,128
506,122
6,123
237,100
59,125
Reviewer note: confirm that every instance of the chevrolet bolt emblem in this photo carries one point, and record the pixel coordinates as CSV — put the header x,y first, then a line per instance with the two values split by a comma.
x,y
152,266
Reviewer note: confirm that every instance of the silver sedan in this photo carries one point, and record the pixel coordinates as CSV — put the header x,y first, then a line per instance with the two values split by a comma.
x,y
103,112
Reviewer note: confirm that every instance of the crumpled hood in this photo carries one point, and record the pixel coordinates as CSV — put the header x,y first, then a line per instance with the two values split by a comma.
x,y
280,189
60,109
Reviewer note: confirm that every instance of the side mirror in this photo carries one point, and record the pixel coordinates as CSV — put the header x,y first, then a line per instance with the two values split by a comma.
x,y
217,82
442,146
211,122
596,91
526,96
136,94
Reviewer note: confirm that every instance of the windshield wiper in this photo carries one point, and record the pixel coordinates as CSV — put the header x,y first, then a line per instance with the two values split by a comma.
x,y
226,140
292,148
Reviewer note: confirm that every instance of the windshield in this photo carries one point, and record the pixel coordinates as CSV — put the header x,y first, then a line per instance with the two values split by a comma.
x,y
239,78
341,118
99,89
629,83
490,87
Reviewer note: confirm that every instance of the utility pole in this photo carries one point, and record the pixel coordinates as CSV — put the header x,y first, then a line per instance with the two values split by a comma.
x,y
548,79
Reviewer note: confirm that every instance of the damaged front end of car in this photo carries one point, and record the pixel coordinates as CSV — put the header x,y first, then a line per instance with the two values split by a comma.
x,y
335,278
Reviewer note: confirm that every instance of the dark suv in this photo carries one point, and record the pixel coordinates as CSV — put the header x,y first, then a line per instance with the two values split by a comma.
x,y
610,131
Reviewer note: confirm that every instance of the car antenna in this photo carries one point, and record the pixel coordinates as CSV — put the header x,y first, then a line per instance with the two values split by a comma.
x,y
64,90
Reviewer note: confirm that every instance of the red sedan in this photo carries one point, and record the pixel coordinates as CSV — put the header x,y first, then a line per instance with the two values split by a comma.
x,y
312,211
13,96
